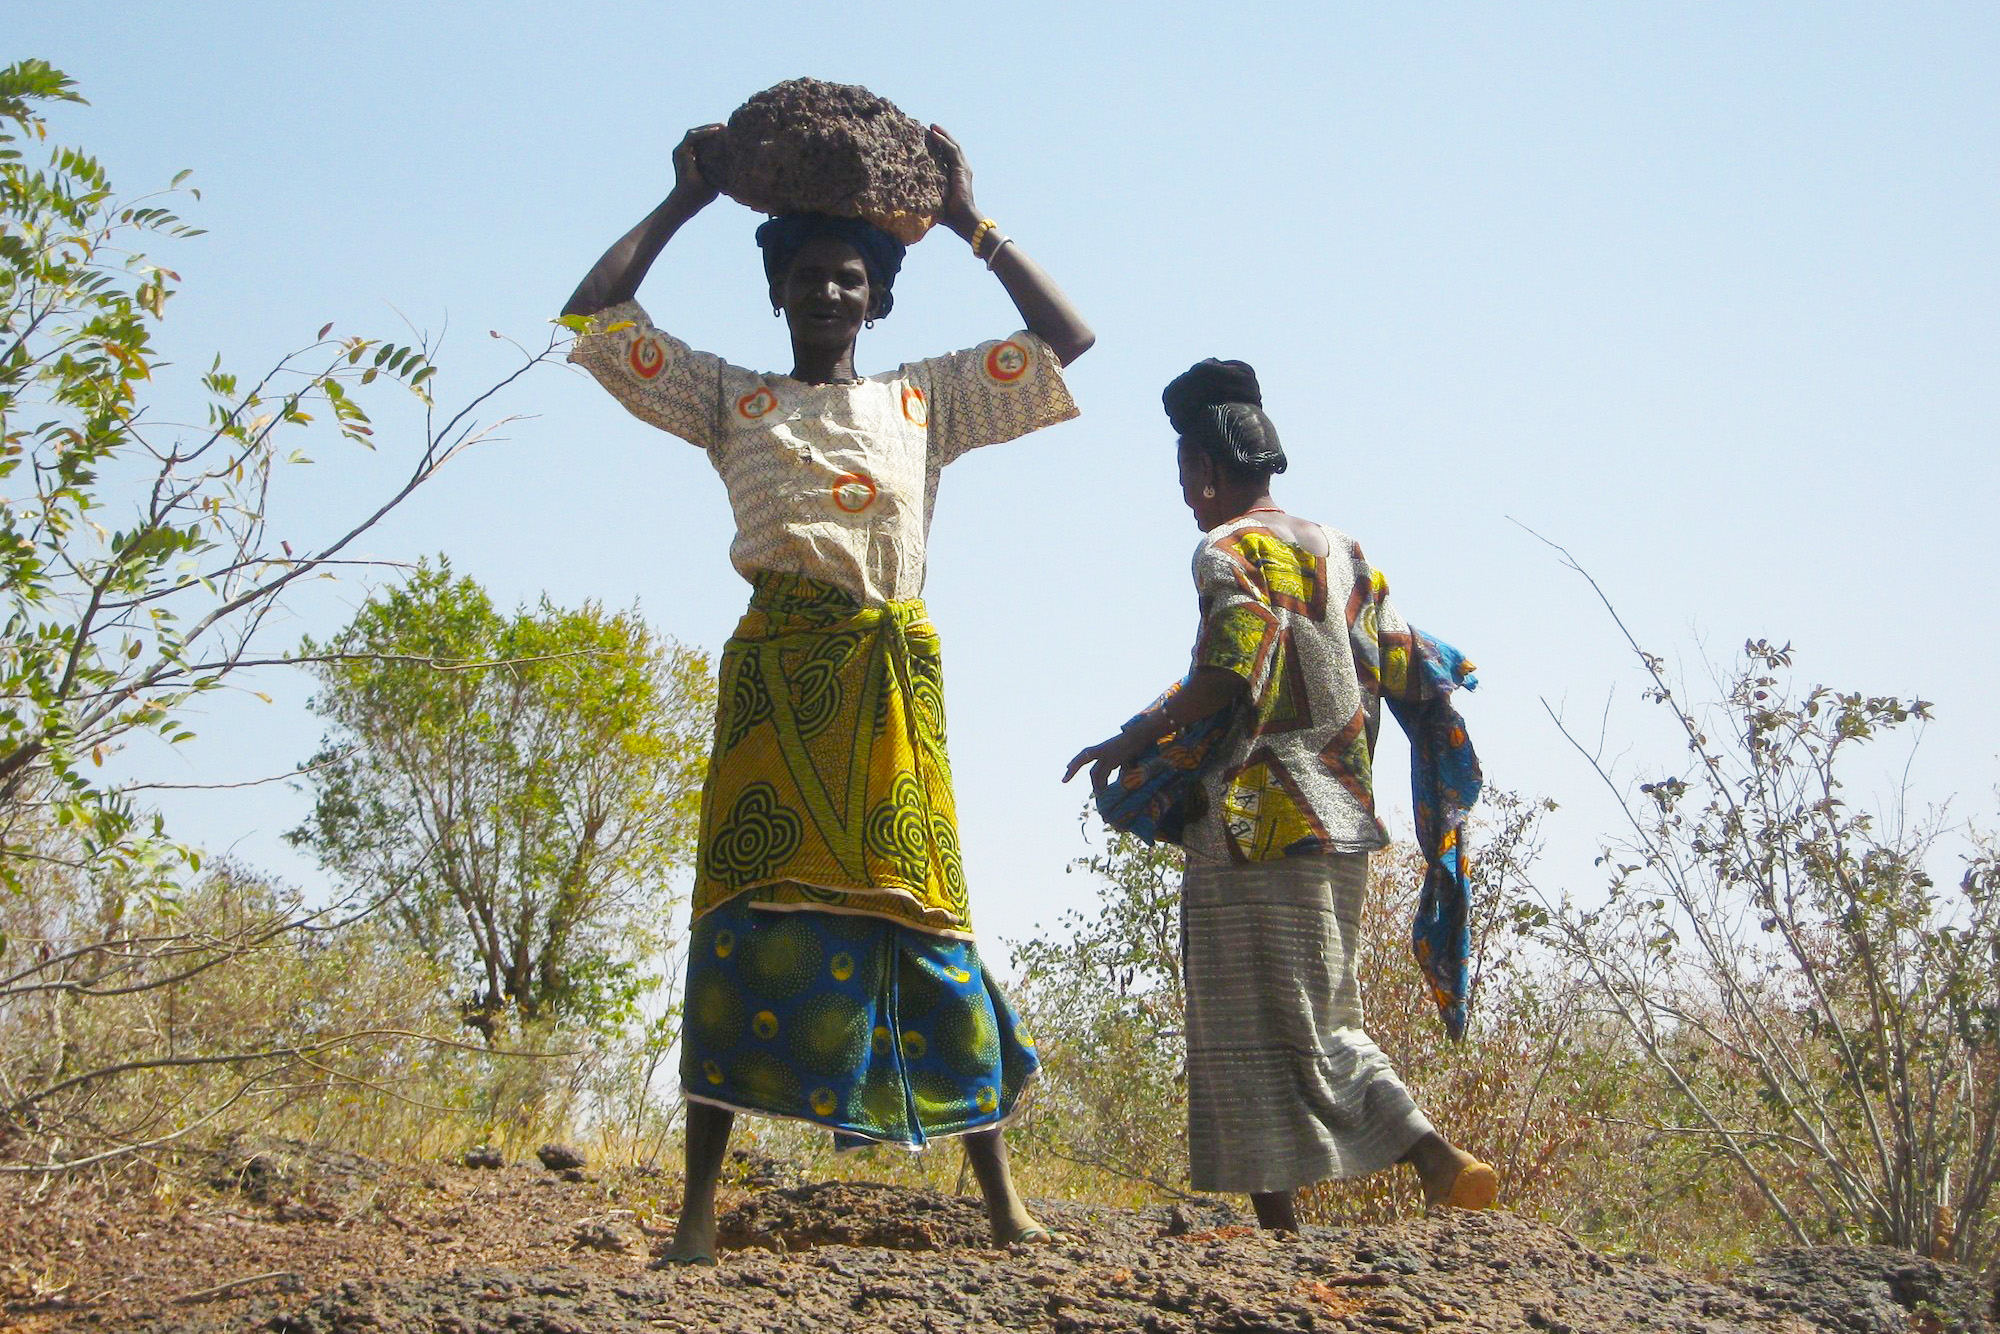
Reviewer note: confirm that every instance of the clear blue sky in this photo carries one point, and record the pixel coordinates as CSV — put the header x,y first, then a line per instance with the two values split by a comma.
x,y
1710,294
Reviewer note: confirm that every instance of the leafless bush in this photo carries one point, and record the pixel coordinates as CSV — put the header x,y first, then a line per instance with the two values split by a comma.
x,y
1822,1014
128,1022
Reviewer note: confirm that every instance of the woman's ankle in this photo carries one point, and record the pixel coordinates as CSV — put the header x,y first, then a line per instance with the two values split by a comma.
x,y
1277,1210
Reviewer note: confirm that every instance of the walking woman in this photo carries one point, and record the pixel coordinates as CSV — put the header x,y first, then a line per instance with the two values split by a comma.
x,y
833,975
1297,650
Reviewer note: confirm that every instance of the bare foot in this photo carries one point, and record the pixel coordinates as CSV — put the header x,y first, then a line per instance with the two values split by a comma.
x,y
1012,1224
694,1241
1031,1232
707,1139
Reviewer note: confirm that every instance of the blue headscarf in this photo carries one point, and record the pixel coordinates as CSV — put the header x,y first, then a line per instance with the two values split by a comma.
x,y
784,236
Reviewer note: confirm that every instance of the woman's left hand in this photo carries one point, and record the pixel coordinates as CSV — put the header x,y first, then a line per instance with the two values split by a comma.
x,y
959,212
1046,311
1107,755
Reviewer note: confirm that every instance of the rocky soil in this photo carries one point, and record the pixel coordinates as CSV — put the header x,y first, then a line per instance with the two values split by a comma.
x,y
282,1240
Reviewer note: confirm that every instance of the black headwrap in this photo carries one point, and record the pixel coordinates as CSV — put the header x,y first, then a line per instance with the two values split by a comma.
x,y
784,236
1208,384
1219,406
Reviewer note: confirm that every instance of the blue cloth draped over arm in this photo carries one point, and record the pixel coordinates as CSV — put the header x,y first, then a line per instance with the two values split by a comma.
x,y
1444,786
1156,795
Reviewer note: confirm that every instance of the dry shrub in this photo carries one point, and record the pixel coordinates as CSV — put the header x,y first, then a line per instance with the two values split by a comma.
x,y
129,1021
1102,997
1544,1086
1817,999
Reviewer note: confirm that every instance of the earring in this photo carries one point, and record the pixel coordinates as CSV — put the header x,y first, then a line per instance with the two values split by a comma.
x,y
868,324
777,312
1208,493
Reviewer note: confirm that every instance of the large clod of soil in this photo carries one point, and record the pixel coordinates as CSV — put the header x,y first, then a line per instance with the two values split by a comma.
x,y
854,1213
808,146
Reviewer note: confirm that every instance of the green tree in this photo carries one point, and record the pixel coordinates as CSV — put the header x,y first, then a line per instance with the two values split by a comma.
x,y
139,556
517,788
143,559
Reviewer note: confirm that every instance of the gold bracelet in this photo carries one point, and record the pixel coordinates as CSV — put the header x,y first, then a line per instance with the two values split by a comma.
x,y
979,234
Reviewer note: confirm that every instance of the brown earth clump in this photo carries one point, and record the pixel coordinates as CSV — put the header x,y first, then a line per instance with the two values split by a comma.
x,y
854,1213
808,146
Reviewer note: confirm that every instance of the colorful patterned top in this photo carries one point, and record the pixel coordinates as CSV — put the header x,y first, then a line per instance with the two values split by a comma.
x,y
1322,648
832,481
1319,644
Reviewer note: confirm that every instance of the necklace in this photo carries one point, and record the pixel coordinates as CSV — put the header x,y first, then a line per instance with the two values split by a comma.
x,y
1264,509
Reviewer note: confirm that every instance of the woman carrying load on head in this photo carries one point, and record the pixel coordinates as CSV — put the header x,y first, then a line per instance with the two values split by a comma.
x,y
832,971
1298,649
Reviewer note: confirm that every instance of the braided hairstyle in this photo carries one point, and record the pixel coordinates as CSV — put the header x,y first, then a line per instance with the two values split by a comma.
x,y
1218,407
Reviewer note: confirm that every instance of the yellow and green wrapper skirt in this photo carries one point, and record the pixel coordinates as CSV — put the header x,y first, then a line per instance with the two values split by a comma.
x,y
832,975
828,785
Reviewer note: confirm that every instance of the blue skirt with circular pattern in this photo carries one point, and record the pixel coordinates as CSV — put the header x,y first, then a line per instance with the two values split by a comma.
x,y
875,1030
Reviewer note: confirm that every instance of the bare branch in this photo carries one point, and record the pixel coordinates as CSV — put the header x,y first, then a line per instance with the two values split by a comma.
x,y
233,1285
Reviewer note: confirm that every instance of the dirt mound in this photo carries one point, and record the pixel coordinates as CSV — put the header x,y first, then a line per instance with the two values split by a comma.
x,y
925,1264
853,1213
447,1250
1872,1290
286,1172
806,145
193,1248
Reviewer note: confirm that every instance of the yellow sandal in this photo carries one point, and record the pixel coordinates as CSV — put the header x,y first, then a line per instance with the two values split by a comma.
x,y
1476,1186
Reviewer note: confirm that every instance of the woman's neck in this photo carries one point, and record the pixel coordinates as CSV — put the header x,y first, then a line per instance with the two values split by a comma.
x,y
1235,502
820,365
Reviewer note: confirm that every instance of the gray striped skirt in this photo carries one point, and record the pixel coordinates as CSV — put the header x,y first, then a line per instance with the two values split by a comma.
x,y
1285,1088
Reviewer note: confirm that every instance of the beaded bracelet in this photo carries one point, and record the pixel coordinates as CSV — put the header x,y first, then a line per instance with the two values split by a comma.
x,y
979,234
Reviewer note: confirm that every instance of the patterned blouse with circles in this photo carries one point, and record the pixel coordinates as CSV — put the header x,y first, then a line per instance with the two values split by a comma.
x,y
836,481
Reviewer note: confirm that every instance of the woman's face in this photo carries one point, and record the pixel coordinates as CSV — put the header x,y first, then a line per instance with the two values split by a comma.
x,y
825,293
1196,472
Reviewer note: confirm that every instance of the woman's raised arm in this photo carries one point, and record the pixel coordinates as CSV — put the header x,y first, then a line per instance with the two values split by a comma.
x,y
618,272
1044,309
